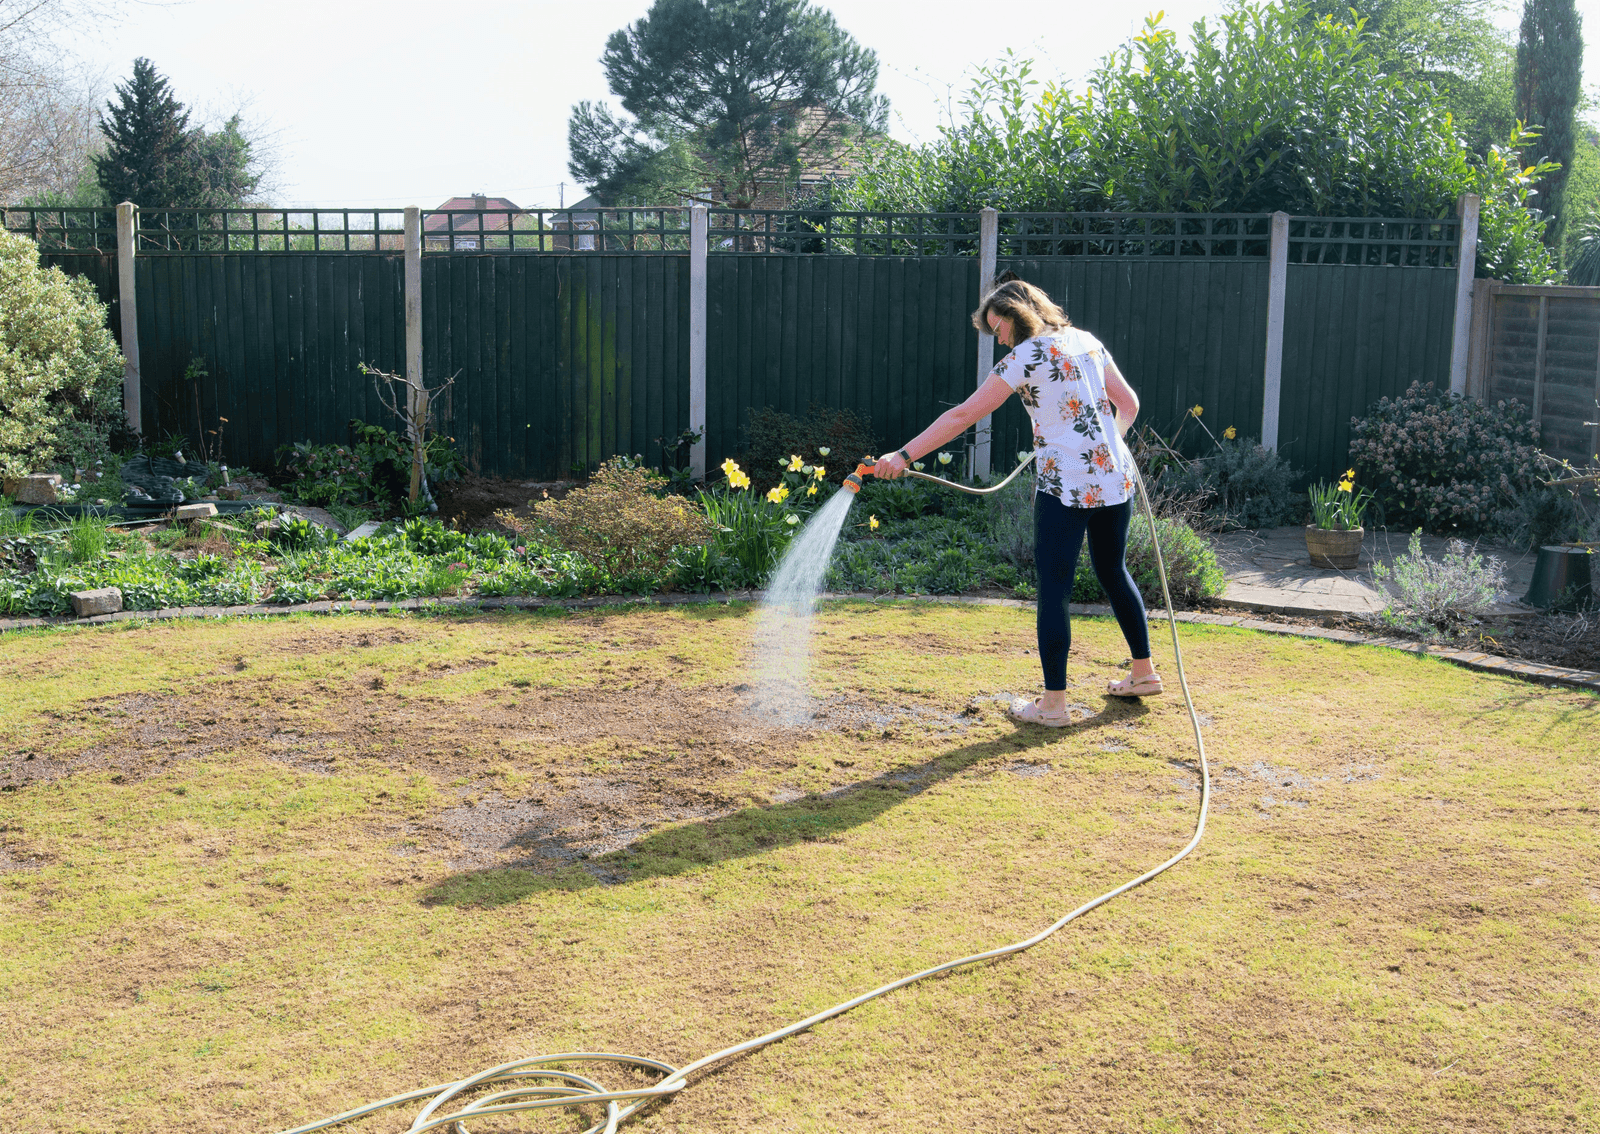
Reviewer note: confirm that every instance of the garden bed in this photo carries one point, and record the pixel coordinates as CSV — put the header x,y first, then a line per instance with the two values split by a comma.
x,y
258,872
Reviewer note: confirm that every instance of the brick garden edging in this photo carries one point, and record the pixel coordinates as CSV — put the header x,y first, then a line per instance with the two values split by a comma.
x,y
1487,663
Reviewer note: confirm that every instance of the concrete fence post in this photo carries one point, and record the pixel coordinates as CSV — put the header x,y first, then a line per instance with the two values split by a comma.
x,y
988,254
1277,291
1466,267
127,303
699,226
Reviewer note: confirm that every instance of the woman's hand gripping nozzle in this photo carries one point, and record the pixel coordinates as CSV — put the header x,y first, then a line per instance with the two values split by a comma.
x,y
864,469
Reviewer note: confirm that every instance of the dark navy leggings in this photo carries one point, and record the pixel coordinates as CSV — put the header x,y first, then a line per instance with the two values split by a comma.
x,y
1058,532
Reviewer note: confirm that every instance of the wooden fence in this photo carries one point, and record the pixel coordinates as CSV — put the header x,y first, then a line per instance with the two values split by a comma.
x,y
573,332
1541,346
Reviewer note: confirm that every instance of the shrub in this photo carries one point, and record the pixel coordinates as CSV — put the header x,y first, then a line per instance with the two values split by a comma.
x,y
1193,572
1443,462
616,522
1434,596
60,370
1539,515
772,436
1241,485
375,467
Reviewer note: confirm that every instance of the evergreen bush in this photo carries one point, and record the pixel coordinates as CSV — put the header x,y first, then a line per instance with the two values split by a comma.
x,y
1241,485
772,437
60,369
1443,462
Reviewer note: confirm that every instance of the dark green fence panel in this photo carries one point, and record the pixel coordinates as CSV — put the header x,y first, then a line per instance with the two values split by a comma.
x,y
100,269
1183,332
885,336
560,361
1353,335
279,339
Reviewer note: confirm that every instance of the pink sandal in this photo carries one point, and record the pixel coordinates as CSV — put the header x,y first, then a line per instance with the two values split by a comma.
x,y
1029,712
1147,686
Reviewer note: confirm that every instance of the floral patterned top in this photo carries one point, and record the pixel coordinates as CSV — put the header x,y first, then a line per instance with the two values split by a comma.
x,y
1060,377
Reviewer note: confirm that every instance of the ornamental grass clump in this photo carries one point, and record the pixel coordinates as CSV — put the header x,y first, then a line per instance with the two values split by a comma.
x,y
618,523
1443,462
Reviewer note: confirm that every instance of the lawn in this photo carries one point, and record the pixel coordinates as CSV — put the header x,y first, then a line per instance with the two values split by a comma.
x,y
257,872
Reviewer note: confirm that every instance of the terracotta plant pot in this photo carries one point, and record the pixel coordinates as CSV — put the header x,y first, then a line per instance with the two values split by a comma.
x,y
1337,549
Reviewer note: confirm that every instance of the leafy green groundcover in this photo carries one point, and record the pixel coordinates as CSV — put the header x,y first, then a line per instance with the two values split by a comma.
x,y
905,537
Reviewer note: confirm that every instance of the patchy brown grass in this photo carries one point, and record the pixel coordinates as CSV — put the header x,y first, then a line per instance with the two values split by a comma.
x,y
258,872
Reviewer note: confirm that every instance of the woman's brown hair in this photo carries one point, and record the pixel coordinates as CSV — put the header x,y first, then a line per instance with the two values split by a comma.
x,y
1030,310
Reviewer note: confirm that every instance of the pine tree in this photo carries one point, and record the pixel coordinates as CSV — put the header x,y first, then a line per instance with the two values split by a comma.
x,y
737,95
1549,83
149,157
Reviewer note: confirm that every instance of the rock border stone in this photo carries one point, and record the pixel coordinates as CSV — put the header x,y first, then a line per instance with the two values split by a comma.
x,y
1486,663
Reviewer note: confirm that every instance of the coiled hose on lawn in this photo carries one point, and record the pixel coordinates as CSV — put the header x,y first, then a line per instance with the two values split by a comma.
x,y
533,1084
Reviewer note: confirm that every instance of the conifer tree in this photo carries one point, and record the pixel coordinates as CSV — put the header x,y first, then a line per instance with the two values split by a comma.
x,y
1549,83
735,94
149,158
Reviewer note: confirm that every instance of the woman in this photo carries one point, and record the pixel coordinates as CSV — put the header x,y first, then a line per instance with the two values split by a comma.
x,y
1081,406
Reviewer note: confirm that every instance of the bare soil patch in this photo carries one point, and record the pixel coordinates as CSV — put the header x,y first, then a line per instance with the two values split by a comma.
x,y
471,501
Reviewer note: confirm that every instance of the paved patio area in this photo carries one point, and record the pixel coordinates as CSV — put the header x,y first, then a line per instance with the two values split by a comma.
x,y
1271,572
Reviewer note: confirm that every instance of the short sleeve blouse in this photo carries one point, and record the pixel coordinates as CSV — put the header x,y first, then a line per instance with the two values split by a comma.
x,y
1060,377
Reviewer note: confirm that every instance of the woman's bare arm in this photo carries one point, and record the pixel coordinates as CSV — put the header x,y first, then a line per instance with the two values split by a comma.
x,y
1122,398
949,425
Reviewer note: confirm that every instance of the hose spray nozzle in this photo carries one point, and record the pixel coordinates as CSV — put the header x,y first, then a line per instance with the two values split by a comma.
x,y
853,481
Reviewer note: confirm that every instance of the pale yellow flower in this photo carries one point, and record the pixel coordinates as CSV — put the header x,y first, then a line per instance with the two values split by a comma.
x,y
946,458
778,495
824,450
795,463
1230,433
729,467
791,518
737,479
872,522
818,472
812,491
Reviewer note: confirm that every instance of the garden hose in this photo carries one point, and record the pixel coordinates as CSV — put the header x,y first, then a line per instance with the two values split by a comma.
x,y
534,1084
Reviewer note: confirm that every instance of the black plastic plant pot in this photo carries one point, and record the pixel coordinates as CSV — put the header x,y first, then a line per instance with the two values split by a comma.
x,y
1562,579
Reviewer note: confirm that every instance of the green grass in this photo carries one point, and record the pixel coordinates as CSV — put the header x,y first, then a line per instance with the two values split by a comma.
x,y
1402,939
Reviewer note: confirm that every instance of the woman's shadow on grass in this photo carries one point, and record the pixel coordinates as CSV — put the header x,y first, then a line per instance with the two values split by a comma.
x,y
816,817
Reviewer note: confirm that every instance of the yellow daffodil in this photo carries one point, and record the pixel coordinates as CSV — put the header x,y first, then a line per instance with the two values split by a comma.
x,y
1349,474
737,479
872,522
1346,485
1230,433
1198,410
778,495
818,472
812,491
824,450
729,467
946,458
794,464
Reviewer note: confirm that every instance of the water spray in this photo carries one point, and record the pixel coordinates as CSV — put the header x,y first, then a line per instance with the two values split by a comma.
x,y
537,1083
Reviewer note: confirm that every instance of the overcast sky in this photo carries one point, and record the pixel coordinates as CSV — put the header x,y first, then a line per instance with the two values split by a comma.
x,y
400,103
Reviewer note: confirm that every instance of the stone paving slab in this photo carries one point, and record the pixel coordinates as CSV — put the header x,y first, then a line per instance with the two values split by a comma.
x,y
1488,663
1270,572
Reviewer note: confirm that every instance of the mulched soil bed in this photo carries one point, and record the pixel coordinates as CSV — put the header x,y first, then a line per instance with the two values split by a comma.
x,y
470,502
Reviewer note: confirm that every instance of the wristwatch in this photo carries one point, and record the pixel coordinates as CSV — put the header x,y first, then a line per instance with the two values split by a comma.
x,y
904,456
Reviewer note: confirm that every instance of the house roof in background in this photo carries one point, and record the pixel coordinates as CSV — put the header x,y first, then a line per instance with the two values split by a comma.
x,y
501,209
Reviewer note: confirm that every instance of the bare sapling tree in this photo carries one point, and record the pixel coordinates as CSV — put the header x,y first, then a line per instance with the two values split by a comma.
x,y
416,412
